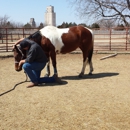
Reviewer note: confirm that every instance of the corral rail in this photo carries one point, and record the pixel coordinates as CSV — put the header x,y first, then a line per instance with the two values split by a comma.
x,y
112,39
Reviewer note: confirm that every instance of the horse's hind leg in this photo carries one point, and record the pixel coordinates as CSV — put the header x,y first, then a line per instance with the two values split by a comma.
x,y
85,61
91,68
90,61
87,58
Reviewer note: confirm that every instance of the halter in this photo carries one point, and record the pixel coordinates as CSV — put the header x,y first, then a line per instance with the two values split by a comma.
x,y
16,62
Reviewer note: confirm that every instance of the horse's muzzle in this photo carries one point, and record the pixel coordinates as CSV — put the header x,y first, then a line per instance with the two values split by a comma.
x,y
18,69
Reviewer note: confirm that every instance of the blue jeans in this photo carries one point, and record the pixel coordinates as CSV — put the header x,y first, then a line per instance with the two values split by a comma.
x,y
33,71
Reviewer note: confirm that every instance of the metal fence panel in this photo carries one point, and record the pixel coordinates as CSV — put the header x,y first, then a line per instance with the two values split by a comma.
x,y
104,39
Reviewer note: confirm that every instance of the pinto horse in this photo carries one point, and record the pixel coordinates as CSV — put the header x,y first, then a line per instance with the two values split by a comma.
x,y
54,40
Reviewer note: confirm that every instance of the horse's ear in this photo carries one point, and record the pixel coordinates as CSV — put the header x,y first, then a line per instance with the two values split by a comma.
x,y
14,47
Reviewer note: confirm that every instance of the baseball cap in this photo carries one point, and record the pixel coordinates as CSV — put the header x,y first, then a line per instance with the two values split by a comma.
x,y
24,44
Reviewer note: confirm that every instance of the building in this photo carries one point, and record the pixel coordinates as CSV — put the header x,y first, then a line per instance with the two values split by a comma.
x,y
50,16
32,22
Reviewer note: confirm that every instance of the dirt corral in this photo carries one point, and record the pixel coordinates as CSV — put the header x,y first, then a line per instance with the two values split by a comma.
x,y
97,102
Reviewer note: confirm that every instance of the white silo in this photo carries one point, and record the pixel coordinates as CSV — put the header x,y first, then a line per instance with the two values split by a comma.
x,y
50,16
32,22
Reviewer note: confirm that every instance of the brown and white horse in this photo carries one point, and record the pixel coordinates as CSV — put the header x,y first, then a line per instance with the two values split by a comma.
x,y
53,40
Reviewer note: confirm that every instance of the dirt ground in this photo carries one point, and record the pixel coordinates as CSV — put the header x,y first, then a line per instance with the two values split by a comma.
x,y
97,102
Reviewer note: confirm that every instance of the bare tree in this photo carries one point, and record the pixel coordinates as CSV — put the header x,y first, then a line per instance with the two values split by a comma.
x,y
119,10
106,23
3,21
17,24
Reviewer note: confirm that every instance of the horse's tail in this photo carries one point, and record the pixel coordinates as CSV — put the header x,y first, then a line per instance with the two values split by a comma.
x,y
91,50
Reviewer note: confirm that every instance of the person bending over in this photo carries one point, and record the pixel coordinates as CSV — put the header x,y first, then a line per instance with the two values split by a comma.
x,y
35,62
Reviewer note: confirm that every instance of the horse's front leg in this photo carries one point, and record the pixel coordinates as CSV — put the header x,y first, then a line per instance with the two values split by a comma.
x,y
47,65
47,69
53,58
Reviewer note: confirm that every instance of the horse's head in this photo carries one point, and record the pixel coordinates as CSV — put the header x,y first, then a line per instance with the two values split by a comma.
x,y
18,55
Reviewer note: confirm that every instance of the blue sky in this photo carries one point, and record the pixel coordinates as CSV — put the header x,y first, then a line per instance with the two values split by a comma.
x,y
20,11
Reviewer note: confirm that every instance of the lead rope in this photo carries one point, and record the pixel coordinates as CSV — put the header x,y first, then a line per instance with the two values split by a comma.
x,y
15,85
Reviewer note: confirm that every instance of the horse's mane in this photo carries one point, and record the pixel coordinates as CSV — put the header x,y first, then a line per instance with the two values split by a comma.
x,y
36,37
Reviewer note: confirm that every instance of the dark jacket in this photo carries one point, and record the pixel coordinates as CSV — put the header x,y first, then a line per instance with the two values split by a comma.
x,y
35,53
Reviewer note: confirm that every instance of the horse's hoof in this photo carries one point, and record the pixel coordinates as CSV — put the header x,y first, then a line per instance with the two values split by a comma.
x,y
46,75
90,74
80,75
55,75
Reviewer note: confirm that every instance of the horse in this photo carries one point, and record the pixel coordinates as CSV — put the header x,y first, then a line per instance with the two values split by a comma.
x,y
55,40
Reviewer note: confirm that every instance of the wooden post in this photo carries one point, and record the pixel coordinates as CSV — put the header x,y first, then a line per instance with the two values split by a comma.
x,y
108,56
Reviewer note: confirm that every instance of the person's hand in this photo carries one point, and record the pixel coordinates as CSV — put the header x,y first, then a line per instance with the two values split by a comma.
x,y
21,62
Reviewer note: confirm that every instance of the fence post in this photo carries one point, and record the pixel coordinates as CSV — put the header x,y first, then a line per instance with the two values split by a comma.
x,y
11,37
6,41
126,38
23,32
110,39
18,36
2,38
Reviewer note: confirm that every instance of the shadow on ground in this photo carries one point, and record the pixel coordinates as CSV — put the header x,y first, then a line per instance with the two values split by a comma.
x,y
93,76
52,84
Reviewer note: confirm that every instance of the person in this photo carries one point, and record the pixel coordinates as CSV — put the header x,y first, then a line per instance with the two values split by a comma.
x,y
35,62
